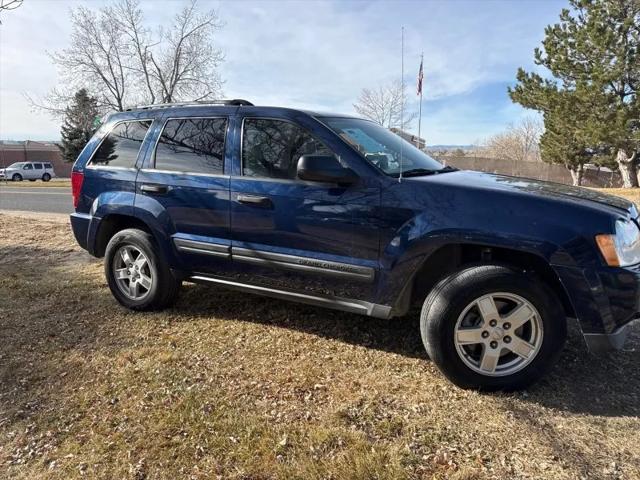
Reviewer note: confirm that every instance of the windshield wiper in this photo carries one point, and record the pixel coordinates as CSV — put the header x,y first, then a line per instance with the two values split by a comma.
x,y
417,172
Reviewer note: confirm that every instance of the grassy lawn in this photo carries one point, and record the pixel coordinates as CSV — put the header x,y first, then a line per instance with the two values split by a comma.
x,y
227,385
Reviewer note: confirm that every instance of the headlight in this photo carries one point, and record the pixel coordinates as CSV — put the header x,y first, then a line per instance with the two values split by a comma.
x,y
623,248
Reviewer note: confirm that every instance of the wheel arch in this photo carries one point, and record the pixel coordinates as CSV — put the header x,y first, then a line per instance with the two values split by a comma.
x,y
112,224
453,256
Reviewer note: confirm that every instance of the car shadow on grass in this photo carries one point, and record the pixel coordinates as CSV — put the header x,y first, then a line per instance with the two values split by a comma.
x,y
580,382
606,384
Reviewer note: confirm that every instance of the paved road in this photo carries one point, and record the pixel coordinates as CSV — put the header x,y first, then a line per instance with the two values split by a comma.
x,y
36,199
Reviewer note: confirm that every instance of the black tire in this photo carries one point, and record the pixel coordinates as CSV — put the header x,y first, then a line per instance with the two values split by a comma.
x,y
46,177
164,288
16,177
448,300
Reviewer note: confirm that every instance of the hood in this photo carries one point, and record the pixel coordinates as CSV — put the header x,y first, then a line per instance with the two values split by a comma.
x,y
552,190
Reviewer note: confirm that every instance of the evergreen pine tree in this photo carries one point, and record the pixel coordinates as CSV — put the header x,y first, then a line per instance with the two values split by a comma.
x,y
79,124
591,104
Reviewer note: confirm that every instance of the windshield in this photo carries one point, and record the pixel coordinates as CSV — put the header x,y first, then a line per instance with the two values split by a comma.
x,y
381,147
15,165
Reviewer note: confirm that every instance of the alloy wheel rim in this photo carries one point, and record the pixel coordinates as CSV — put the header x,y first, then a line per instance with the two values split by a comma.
x,y
132,272
498,334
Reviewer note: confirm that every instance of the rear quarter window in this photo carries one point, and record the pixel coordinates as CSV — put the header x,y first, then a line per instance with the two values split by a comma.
x,y
121,146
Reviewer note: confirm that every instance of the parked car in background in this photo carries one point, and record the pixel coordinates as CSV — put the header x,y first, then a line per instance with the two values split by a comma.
x,y
339,212
28,171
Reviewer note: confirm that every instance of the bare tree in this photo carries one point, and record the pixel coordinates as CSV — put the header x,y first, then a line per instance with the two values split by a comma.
x,y
384,105
181,62
6,5
122,62
520,142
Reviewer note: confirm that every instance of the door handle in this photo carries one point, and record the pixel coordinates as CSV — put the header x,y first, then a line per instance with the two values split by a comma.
x,y
255,201
158,189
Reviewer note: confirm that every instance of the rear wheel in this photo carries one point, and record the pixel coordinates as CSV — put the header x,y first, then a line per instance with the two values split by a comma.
x,y
46,177
490,327
16,177
137,276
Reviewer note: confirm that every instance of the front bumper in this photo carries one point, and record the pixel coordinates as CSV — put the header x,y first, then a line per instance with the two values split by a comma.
x,y
605,301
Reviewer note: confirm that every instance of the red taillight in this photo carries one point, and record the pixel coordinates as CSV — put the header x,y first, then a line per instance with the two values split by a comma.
x,y
76,185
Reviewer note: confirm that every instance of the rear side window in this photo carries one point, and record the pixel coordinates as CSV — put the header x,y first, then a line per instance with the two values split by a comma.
x,y
271,148
37,166
48,165
194,145
120,148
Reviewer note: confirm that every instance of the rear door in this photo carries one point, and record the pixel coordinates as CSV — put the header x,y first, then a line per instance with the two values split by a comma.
x,y
184,184
289,233
38,170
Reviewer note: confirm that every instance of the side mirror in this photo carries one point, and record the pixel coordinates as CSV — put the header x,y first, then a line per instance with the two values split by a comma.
x,y
324,168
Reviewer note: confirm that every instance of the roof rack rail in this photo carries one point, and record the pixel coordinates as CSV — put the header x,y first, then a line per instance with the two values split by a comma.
x,y
236,101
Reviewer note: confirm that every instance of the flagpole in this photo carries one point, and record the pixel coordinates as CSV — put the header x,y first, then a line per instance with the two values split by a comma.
x,y
401,106
420,114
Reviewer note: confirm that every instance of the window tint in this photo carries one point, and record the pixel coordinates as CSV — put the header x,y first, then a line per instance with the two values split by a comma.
x,y
120,148
271,148
48,165
27,166
38,166
193,145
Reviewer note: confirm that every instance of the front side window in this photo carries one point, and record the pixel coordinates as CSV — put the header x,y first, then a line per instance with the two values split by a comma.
x,y
271,148
381,147
194,145
28,166
120,148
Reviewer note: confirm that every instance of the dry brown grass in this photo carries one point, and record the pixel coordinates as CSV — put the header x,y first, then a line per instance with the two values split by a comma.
x,y
62,183
631,194
227,385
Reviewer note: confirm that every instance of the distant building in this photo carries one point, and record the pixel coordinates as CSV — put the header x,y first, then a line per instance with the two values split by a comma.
x,y
33,151
421,143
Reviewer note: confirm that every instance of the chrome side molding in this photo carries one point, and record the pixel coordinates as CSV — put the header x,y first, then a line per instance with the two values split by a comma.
x,y
204,248
304,264
278,260
336,303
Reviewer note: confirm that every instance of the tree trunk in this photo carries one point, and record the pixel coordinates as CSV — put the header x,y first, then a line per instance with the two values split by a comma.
x,y
576,174
627,167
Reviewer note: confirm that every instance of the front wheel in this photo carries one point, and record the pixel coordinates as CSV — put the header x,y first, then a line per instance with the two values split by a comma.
x,y
16,177
137,276
491,327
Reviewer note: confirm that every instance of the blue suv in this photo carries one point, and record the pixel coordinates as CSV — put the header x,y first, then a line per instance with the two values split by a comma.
x,y
339,212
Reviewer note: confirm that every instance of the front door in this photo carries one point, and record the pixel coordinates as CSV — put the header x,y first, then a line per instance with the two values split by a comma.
x,y
315,237
183,181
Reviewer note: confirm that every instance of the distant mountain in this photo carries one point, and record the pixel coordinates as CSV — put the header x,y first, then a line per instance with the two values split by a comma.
x,y
452,147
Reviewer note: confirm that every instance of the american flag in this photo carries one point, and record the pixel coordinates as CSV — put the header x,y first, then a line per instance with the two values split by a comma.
x,y
420,77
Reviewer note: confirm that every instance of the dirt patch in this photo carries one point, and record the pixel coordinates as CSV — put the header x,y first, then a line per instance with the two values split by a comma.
x,y
227,385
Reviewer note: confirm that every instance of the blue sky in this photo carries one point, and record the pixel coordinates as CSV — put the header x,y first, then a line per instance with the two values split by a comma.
x,y
319,55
